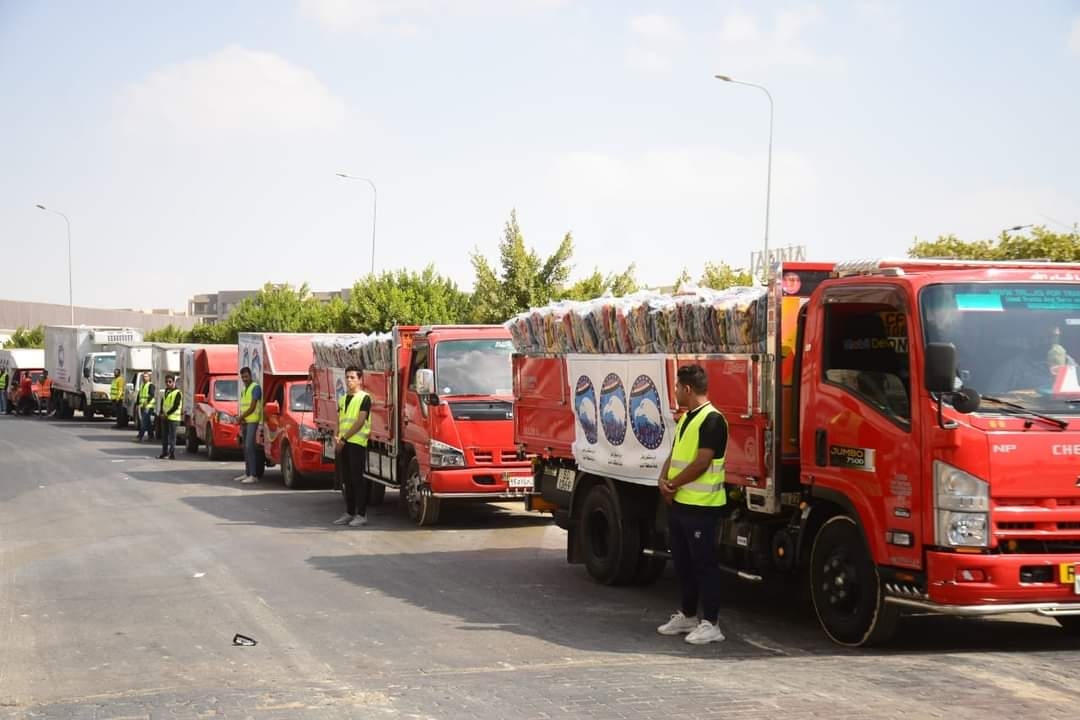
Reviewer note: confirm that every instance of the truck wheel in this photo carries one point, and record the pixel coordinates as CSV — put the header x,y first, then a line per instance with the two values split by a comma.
x,y
611,547
289,473
191,441
422,506
377,494
260,462
845,587
1071,624
212,452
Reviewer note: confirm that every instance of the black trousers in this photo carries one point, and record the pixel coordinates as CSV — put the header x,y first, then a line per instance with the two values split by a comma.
x,y
692,535
357,486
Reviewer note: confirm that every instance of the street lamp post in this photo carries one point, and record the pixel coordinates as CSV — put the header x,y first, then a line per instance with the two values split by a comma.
x,y
374,210
71,302
768,176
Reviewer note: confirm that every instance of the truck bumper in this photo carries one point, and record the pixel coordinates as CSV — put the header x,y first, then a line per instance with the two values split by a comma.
x,y
973,585
510,482
308,458
226,436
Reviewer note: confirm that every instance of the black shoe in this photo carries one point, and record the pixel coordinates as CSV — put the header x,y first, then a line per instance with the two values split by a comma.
x,y
162,456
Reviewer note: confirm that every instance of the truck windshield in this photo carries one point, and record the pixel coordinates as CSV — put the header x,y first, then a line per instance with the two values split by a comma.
x,y
225,390
474,367
1015,341
300,397
103,368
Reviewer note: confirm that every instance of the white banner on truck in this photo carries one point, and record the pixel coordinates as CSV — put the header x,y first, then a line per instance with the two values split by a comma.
x,y
623,425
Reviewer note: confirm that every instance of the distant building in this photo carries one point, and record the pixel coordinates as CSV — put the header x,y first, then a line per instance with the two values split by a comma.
x,y
209,308
15,314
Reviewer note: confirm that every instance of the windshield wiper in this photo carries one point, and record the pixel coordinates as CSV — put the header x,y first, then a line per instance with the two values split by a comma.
x,y
1058,422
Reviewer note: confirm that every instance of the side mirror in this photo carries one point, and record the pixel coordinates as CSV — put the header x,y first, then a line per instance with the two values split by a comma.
x,y
966,401
939,369
200,398
425,382
131,386
272,408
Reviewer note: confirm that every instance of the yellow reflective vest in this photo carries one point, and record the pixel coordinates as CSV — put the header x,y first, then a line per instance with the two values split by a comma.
x,y
707,490
172,396
116,391
347,417
146,400
245,401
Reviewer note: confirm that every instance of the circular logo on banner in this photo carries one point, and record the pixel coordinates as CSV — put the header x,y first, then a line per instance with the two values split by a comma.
x,y
645,419
791,283
613,409
585,405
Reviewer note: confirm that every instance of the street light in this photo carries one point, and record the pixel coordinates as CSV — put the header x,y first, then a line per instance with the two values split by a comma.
x,y
374,211
71,303
768,176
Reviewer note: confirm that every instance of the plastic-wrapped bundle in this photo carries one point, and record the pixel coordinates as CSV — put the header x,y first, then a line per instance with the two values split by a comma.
x,y
697,320
368,352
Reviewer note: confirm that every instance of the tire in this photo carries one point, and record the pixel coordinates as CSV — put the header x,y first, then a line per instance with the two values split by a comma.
x,y
377,494
1070,624
212,451
610,546
191,441
260,462
289,473
423,508
845,588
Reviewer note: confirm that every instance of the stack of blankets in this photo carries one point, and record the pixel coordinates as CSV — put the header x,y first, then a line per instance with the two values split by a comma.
x,y
695,320
367,352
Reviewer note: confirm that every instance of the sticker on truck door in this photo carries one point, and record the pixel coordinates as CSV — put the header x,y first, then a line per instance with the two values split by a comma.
x,y
851,457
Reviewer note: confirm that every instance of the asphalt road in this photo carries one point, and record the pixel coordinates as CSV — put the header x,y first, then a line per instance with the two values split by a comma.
x,y
124,578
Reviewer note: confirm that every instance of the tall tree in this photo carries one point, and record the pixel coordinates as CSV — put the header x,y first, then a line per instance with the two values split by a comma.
x,y
595,285
720,276
404,297
1039,244
279,308
523,280
24,337
168,334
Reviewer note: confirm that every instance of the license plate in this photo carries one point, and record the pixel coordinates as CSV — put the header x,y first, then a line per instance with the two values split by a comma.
x,y
518,481
1069,574
565,480
328,448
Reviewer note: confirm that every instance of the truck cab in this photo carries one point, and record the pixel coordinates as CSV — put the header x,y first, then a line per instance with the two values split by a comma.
x,y
211,399
98,370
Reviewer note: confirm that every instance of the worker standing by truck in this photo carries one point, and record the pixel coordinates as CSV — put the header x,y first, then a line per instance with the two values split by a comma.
x,y
45,405
3,390
171,410
692,483
146,406
354,427
116,393
251,405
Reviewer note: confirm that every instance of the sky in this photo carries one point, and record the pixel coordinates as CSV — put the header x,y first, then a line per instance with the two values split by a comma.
x,y
194,145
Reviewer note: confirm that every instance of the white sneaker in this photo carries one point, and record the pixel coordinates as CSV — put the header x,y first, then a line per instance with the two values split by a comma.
x,y
705,633
358,521
249,480
344,519
678,623
240,478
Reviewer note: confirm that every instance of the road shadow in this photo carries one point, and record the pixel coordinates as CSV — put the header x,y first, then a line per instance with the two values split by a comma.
x,y
539,595
280,508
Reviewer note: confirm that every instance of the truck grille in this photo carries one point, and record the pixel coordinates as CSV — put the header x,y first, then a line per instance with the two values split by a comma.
x,y
492,457
1040,525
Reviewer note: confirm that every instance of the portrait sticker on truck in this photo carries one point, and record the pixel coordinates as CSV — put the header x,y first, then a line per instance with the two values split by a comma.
x,y
851,457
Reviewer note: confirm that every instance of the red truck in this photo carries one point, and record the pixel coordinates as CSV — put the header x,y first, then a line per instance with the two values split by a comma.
x,y
208,378
909,440
442,415
287,436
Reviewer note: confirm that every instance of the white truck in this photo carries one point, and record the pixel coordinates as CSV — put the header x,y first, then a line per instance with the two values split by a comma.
x,y
132,360
81,368
165,361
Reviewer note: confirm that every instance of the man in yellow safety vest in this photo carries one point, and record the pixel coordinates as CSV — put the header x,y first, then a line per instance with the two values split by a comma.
x,y
147,394
692,483
116,393
251,412
172,409
3,390
350,448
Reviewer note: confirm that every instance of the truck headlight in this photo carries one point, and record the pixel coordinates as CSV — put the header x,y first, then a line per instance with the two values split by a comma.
x,y
308,433
443,455
961,507
225,418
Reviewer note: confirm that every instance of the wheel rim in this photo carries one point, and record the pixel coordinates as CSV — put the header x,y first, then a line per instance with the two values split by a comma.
x,y
840,585
414,496
599,531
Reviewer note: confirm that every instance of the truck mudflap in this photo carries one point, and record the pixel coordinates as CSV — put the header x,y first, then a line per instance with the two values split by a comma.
x,y
972,585
492,483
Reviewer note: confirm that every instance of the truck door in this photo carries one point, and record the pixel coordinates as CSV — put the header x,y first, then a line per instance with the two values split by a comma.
x,y
414,431
857,438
